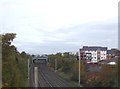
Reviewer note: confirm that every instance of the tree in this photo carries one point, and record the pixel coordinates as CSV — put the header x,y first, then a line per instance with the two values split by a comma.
x,y
107,77
8,56
7,38
13,71
75,70
7,48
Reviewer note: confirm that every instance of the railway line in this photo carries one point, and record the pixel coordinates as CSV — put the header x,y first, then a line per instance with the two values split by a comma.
x,y
48,78
45,74
44,77
43,82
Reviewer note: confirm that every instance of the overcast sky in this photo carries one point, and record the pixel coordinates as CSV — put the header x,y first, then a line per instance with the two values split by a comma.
x,y
51,26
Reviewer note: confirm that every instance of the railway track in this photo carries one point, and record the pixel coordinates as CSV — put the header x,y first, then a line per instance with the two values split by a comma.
x,y
48,78
44,77
43,82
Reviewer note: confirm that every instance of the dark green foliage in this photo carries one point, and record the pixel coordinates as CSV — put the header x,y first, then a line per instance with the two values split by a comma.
x,y
66,67
75,72
63,62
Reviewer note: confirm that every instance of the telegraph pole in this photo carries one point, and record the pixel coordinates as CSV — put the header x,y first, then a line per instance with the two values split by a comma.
x,y
55,65
79,66
28,71
28,68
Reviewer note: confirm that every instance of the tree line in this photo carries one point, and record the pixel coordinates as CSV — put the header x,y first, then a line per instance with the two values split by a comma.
x,y
14,63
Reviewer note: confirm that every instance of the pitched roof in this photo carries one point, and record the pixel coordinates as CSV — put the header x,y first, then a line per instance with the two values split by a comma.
x,y
110,52
94,48
114,51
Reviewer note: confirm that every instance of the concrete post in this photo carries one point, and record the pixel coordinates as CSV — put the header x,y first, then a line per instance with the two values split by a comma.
x,y
36,76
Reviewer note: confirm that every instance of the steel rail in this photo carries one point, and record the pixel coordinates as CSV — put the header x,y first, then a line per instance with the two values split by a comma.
x,y
43,76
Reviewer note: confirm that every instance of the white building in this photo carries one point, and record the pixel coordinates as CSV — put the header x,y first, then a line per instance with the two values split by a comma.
x,y
93,53
70,53
73,53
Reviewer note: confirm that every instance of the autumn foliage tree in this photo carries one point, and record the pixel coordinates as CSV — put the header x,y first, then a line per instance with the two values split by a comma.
x,y
8,52
13,70
107,77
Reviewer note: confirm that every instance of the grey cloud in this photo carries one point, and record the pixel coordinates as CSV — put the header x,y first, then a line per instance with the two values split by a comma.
x,y
75,37
34,38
